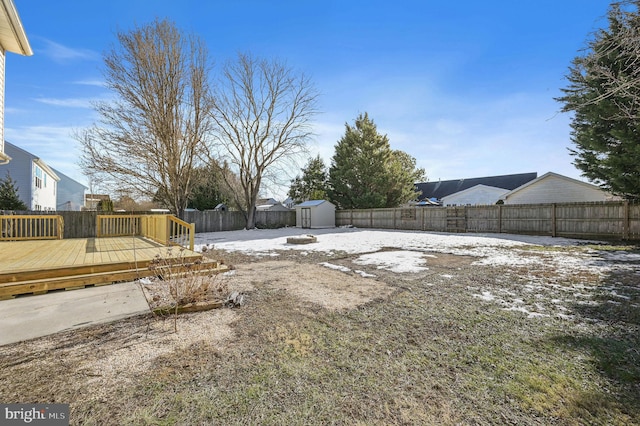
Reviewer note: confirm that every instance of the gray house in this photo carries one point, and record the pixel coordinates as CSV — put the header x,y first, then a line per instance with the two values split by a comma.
x,y
70,195
37,183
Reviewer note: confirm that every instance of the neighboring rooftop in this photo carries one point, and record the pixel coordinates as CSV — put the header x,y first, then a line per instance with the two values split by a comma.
x,y
439,189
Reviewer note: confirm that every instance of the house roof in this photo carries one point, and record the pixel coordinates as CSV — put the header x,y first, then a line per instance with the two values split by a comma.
x,y
545,176
443,188
12,35
34,158
96,197
475,188
68,179
272,207
266,201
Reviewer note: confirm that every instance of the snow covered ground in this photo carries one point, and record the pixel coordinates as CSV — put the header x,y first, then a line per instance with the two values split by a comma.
x,y
490,249
545,294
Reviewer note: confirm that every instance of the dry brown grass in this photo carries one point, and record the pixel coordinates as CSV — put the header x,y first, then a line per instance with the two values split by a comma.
x,y
409,349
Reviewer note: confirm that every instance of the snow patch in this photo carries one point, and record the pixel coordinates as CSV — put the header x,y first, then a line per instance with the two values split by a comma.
x,y
395,261
486,296
335,267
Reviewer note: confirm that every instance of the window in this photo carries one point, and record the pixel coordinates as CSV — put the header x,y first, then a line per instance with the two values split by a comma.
x,y
38,177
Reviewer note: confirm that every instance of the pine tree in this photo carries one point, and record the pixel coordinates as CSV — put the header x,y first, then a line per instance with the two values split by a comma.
x,y
604,94
312,185
207,191
366,173
9,199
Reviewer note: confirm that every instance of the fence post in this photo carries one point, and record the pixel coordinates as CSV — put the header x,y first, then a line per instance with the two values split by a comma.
x,y
499,219
625,223
60,227
371,218
553,219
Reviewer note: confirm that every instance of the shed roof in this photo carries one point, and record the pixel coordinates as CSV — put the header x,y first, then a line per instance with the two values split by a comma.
x,y
312,203
441,189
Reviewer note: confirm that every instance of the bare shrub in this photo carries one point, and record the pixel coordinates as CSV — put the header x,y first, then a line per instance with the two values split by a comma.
x,y
181,281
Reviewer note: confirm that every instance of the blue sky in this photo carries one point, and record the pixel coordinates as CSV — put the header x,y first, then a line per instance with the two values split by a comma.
x,y
465,87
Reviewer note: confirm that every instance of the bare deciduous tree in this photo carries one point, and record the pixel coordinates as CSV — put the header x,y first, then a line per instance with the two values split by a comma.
x,y
147,139
262,112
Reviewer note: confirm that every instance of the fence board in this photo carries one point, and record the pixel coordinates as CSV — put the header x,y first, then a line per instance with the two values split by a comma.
x,y
83,224
609,220
613,220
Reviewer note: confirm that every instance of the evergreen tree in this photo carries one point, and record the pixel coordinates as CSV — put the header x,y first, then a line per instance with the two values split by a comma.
x,y
9,199
207,191
366,173
312,185
604,94
402,177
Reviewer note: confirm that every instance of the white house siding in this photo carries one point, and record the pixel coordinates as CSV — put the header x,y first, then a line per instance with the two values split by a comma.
x,y
553,188
476,195
43,197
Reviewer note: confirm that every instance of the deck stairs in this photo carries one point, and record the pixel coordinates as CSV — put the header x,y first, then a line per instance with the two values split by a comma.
x,y
41,281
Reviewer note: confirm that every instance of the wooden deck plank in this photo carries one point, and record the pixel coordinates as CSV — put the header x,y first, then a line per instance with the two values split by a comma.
x,y
40,266
16,256
66,252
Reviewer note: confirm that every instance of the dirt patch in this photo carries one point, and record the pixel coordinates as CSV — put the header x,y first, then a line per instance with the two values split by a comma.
x,y
331,289
119,361
110,356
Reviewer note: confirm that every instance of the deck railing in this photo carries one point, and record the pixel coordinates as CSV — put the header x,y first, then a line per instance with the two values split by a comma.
x,y
117,225
181,233
31,227
165,229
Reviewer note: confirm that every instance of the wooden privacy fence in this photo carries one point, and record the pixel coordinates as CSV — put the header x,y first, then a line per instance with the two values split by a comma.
x,y
84,224
31,227
165,229
610,220
214,221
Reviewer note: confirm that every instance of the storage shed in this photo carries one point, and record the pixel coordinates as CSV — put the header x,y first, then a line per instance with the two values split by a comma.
x,y
315,214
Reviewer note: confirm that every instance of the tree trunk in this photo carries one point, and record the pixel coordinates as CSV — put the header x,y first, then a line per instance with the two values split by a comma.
x,y
251,218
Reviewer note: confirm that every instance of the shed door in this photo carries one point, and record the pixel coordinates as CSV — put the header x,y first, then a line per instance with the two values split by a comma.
x,y
306,217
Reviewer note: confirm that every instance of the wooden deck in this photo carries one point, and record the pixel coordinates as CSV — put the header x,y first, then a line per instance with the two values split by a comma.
x,y
39,266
